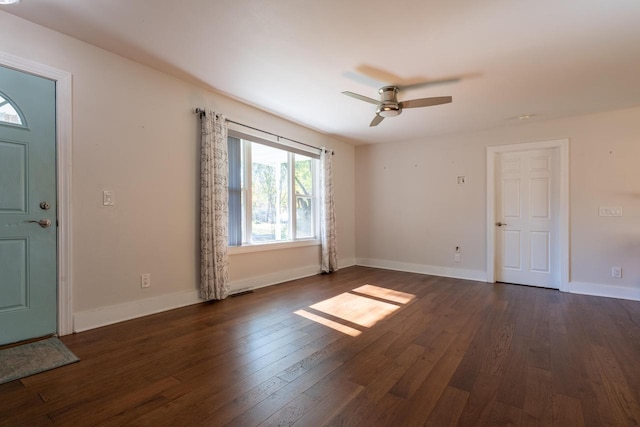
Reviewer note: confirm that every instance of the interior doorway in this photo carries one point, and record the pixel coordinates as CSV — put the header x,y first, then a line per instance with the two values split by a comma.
x,y
527,214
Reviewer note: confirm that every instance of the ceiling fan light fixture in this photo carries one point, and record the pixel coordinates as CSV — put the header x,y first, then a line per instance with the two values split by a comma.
x,y
8,2
388,110
388,106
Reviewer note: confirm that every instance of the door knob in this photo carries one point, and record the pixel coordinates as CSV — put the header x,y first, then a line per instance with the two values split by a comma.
x,y
500,224
44,223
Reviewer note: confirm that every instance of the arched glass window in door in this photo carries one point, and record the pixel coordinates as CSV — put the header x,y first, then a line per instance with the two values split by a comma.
x,y
10,113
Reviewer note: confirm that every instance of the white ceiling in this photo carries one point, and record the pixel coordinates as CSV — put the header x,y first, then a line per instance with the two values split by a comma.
x,y
551,58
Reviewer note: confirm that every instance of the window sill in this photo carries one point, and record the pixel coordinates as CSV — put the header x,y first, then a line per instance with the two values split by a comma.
x,y
272,246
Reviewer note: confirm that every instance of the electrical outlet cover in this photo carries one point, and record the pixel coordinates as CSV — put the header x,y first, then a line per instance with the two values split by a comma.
x,y
616,272
145,280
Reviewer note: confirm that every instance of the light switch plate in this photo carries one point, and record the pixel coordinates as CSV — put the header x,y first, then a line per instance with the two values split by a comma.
x,y
107,198
610,211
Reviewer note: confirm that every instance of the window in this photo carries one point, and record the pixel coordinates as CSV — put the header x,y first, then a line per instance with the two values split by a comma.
x,y
272,192
9,113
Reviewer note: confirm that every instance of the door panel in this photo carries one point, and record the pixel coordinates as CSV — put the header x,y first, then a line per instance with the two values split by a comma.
x,y
14,296
540,198
527,204
511,198
13,175
28,288
541,250
512,244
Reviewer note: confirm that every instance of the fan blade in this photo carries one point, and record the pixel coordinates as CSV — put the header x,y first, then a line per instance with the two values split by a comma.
x,y
407,83
361,97
375,77
382,76
363,80
376,120
425,102
429,83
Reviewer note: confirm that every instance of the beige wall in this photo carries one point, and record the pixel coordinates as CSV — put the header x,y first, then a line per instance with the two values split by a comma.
x,y
134,133
410,208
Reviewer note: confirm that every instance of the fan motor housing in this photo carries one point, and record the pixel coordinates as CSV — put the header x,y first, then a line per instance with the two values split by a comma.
x,y
388,106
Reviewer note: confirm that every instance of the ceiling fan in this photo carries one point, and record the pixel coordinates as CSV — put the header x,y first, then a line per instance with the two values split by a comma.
x,y
388,106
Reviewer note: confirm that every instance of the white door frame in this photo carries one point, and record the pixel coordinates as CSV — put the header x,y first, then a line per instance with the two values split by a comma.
x,y
63,172
563,238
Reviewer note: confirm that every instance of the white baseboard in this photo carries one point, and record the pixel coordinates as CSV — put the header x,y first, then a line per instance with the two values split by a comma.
x,y
103,316
456,273
274,278
347,262
90,319
600,290
584,288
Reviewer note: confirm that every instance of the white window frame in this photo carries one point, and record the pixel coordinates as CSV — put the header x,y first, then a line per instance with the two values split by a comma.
x,y
247,245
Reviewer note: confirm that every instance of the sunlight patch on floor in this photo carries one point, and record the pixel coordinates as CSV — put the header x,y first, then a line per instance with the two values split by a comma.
x,y
356,309
384,293
363,306
330,323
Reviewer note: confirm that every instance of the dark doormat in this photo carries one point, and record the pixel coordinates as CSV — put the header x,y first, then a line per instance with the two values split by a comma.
x,y
32,358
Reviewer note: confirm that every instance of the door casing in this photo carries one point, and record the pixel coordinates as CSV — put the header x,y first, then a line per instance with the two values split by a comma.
x,y
563,237
63,80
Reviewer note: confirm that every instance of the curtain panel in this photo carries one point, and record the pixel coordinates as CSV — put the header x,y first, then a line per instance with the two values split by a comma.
x,y
214,209
328,236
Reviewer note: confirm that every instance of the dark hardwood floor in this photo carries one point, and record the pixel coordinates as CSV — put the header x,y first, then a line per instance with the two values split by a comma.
x,y
359,347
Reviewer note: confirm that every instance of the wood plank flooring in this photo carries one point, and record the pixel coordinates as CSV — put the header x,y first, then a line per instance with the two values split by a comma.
x,y
363,347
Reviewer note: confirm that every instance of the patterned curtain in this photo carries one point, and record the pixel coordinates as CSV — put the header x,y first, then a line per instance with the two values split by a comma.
x,y
327,215
214,209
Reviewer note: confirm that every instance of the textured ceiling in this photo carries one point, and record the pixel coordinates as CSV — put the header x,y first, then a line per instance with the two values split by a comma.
x,y
295,57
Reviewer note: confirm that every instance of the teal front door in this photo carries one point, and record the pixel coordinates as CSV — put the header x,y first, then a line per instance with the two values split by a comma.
x,y
28,279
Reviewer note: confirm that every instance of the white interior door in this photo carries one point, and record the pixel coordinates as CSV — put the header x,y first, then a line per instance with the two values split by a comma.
x,y
527,218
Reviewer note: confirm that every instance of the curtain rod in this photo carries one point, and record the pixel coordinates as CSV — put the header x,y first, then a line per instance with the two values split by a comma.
x,y
202,112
